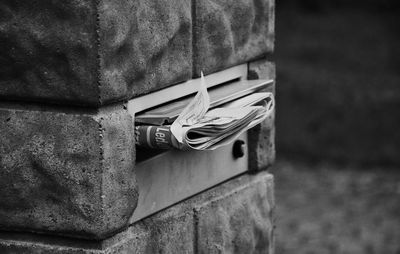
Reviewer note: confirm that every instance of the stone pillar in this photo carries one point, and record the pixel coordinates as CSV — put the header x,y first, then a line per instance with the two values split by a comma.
x,y
234,217
67,153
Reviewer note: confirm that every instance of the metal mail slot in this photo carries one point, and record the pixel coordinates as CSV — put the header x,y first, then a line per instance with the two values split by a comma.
x,y
167,177
176,175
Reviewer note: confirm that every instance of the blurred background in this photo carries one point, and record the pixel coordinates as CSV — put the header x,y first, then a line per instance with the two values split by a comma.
x,y
338,126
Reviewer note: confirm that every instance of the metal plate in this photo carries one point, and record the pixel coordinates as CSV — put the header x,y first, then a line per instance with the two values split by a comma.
x,y
168,94
176,175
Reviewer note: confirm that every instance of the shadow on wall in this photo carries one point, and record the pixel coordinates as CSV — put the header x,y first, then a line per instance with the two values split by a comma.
x,y
339,80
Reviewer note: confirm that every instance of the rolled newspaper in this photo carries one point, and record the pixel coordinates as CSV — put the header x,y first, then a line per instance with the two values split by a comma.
x,y
199,128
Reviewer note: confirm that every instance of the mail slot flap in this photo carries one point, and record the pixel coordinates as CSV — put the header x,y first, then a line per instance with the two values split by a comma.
x,y
175,175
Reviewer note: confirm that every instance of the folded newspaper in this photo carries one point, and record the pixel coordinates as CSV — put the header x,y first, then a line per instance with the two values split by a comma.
x,y
200,128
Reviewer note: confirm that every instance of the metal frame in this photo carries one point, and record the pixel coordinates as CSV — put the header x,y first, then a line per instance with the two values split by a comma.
x,y
180,90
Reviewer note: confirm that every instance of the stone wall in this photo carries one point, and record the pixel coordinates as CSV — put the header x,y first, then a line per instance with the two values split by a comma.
x,y
95,52
235,217
66,172
67,154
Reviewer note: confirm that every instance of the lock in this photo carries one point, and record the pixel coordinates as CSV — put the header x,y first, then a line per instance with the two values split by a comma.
x,y
238,149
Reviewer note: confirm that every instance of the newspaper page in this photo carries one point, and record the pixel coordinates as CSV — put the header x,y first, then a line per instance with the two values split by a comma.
x,y
191,114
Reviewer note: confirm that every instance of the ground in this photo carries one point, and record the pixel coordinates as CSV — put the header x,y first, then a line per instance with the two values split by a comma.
x,y
338,101
323,208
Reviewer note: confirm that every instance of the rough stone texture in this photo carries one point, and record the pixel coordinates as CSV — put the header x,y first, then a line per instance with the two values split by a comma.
x,y
170,231
239,222
262,137
241,212
231,32
261,145
145,45
92,52
66,172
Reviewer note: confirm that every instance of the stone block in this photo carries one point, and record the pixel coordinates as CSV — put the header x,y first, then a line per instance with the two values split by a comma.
x,y
235,217
261,144
92,52
170,232
228,33
66,172
241,221
262,69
